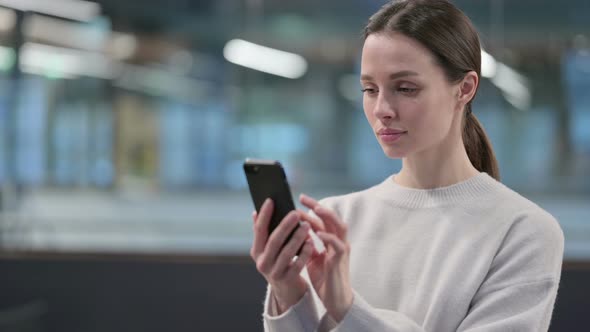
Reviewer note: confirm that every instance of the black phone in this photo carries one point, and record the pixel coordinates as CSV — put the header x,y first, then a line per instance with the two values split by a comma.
x,y
267,179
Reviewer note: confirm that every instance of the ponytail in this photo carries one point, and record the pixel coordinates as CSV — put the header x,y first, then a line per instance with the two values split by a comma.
x,y
478,146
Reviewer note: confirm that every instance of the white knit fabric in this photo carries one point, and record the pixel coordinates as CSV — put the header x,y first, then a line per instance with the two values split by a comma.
x,y
473,256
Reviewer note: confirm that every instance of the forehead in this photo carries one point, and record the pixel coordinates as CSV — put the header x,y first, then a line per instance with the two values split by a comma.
x,y
394,51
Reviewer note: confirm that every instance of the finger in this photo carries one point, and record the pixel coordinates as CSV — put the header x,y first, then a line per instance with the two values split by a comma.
x,y
308,202
313,204
290,249
280,234
297,266
331,240
266,209
261,229
331,221
316,223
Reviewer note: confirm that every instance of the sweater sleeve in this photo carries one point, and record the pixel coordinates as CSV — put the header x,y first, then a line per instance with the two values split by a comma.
x,y
520,289
522,307
301,317
518,293
362,317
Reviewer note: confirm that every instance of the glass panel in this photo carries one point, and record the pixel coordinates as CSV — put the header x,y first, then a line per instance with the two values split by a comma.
x,y
127,132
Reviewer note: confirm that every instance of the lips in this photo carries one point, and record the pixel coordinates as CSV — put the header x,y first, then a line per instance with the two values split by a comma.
x,y
387,135
388,131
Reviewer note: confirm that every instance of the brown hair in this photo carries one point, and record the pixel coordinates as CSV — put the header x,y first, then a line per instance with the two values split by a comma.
x,y
451,37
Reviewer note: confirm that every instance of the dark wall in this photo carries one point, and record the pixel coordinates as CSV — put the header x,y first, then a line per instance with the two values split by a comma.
x,y
573,299
128,295
114,293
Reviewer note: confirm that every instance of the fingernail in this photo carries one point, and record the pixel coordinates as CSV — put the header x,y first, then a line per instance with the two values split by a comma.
x,y
319,209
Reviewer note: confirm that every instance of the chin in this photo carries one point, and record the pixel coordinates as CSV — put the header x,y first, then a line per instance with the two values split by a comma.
x,y
394,153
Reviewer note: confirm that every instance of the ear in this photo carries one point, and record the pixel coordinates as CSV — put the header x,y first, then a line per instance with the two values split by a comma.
x,y
468,87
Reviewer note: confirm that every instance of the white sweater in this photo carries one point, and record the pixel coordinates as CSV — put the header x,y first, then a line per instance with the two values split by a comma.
x,y
473,256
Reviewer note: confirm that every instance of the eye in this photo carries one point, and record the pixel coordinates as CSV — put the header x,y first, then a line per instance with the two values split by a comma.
x,y
368,90
409,91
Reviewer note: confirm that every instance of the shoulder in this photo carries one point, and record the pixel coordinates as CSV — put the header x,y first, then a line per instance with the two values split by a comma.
x,y
532,238
535,229
526,214
505,209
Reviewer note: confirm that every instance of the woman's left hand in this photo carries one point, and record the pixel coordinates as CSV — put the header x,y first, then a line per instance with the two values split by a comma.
x,y
329,272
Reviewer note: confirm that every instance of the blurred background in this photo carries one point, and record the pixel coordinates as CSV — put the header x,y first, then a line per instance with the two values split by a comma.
x,y
124,125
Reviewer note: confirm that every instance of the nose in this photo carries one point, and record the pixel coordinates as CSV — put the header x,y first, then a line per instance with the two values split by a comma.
x,y
384,108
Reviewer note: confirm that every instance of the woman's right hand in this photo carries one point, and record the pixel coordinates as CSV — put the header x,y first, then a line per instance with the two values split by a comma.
x,y
275,262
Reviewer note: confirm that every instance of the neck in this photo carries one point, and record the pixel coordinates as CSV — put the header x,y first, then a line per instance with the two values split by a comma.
x,y
439,166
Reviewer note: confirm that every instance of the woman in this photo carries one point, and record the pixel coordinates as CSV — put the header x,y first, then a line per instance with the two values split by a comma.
x,y
440,246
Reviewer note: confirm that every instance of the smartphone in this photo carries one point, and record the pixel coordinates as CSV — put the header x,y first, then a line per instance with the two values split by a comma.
x,y
267,179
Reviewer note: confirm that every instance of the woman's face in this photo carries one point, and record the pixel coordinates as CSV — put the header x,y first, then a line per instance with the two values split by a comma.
x,y
406,97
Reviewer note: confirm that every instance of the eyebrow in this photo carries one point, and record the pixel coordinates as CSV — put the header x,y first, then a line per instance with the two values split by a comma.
x,y
393,76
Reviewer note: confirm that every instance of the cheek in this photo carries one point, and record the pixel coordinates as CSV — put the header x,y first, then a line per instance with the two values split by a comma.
x,y
431,118
415,114
412,113
368,109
